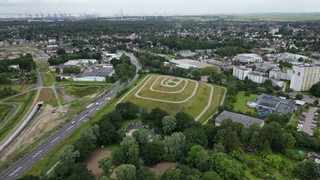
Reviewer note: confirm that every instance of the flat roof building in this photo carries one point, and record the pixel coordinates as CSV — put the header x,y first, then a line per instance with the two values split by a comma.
x,y
248,58
271,104
247,121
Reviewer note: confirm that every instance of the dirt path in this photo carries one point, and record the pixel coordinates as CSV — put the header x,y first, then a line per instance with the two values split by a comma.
x,y
93,162
208,105
221,103
162,167
165,101
171,92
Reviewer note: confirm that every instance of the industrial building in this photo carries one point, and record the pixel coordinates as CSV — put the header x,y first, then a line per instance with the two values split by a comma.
x,y
96,75
271,104
247,121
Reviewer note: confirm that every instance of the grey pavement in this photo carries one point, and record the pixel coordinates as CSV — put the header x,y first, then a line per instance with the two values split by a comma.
x,y
308,121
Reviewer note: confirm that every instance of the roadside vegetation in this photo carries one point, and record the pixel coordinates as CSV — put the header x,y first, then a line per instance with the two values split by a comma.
x,y
26,104
4,110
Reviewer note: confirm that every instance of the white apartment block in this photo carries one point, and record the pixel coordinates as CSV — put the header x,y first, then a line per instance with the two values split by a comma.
x,y
256,78
278,74
303,77
241,72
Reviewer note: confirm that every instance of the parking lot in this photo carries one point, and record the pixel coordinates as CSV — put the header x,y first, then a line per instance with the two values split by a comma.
x,y
308,121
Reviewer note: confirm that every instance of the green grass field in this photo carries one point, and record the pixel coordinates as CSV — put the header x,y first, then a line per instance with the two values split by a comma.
x,y
193,106
241,104
47,79
47,95
145,92
26,104
83,90
4,109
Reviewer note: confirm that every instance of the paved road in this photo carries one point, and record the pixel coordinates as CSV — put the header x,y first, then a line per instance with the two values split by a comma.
x,y
30,159
308,121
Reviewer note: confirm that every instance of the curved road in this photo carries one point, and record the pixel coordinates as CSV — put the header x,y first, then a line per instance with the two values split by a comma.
x,y
33,157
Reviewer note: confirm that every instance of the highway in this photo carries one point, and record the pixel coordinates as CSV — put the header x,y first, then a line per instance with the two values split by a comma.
x,y
33,157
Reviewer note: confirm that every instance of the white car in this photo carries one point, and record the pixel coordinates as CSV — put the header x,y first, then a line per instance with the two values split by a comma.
x,y
109,98
73,122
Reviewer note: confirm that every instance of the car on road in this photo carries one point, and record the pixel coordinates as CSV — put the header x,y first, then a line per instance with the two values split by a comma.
x,y
97,103
109,98
73,122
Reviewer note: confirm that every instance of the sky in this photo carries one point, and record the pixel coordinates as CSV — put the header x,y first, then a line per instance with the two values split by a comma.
x,y
157,7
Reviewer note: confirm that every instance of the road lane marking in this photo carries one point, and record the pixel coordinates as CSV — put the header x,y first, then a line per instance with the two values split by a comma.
x,y
37,154
54,139
68,128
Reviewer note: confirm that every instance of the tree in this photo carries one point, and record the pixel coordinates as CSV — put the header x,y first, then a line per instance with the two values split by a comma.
x,y
315,89
211,175
144,173
33,76
288,141
105,164
143,136
143,111
169,123
198,158
115,118
274,161
58,70
127,142
225,167
107,132
156,116
231,141
29,177
68,154
80,171
128,153
73,171
126,172
195,135
86,144
299,97
173,146
184,121
173,173
196,74
128,110
306,170
152,153
61,51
